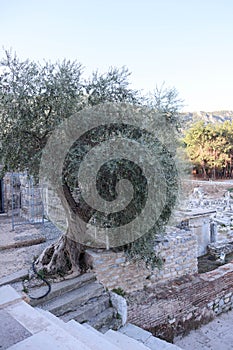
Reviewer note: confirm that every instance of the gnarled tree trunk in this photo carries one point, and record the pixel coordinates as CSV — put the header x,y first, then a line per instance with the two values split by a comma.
x,y
62,257
66,256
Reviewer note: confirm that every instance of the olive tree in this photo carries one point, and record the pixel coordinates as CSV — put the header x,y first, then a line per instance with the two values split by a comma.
x,y
35,100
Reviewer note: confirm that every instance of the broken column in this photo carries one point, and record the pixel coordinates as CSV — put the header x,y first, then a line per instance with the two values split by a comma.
x,y
213,232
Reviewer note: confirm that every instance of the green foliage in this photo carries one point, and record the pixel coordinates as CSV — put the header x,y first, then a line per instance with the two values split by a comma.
x,y
168,103
143,248
210,148
41,274
25,289
35,99
119,291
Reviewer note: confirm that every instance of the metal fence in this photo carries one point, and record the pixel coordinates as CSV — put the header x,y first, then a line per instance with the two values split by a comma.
x,y
26,200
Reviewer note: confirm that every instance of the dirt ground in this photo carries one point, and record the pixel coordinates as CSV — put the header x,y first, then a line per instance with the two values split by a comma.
x,y
15,259
211,189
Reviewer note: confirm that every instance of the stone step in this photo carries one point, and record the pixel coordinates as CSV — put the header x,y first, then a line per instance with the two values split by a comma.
x,y
88,311
96,341
146,338
59,288
114,324
52,338
43,332
51,317
135,332
86,325
8,296
70,301
14,277
69,327
102,319
46,331
123,341
103,329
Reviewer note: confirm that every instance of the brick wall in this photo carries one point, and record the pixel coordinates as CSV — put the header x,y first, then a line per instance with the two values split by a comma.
x,y
178,249
176,307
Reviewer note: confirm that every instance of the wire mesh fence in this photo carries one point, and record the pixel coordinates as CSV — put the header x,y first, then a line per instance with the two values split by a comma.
x,y
26,200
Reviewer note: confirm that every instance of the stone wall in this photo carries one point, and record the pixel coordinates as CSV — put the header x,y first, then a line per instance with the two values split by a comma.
x,y
215,249
200,225
53,208
174,308
177,249
198,221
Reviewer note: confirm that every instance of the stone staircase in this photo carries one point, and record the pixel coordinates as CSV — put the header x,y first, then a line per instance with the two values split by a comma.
x,y
24,327
82,299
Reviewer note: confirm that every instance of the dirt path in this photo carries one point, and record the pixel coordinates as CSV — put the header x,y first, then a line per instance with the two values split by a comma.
x,y
15,259
216,335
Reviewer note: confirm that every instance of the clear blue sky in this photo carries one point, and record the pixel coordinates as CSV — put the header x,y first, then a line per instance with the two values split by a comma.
x,y
186,43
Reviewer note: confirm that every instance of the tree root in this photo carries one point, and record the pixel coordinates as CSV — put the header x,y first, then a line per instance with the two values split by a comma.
x,y
61,258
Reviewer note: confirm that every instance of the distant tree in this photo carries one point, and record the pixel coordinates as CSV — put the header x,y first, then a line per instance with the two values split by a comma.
x,y
210,148
167,102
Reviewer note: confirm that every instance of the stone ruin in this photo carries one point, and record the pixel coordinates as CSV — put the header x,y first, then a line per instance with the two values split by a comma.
x,y
211,219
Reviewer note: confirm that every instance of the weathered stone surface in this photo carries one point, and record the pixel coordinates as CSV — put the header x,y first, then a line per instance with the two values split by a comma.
x,y
123,341
172,308
89,310
94,340
71,300
103,318
11,331
178,251
146,338
136,332
30,318
14,277
52,338
8,296
215,249
119,303
62,287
